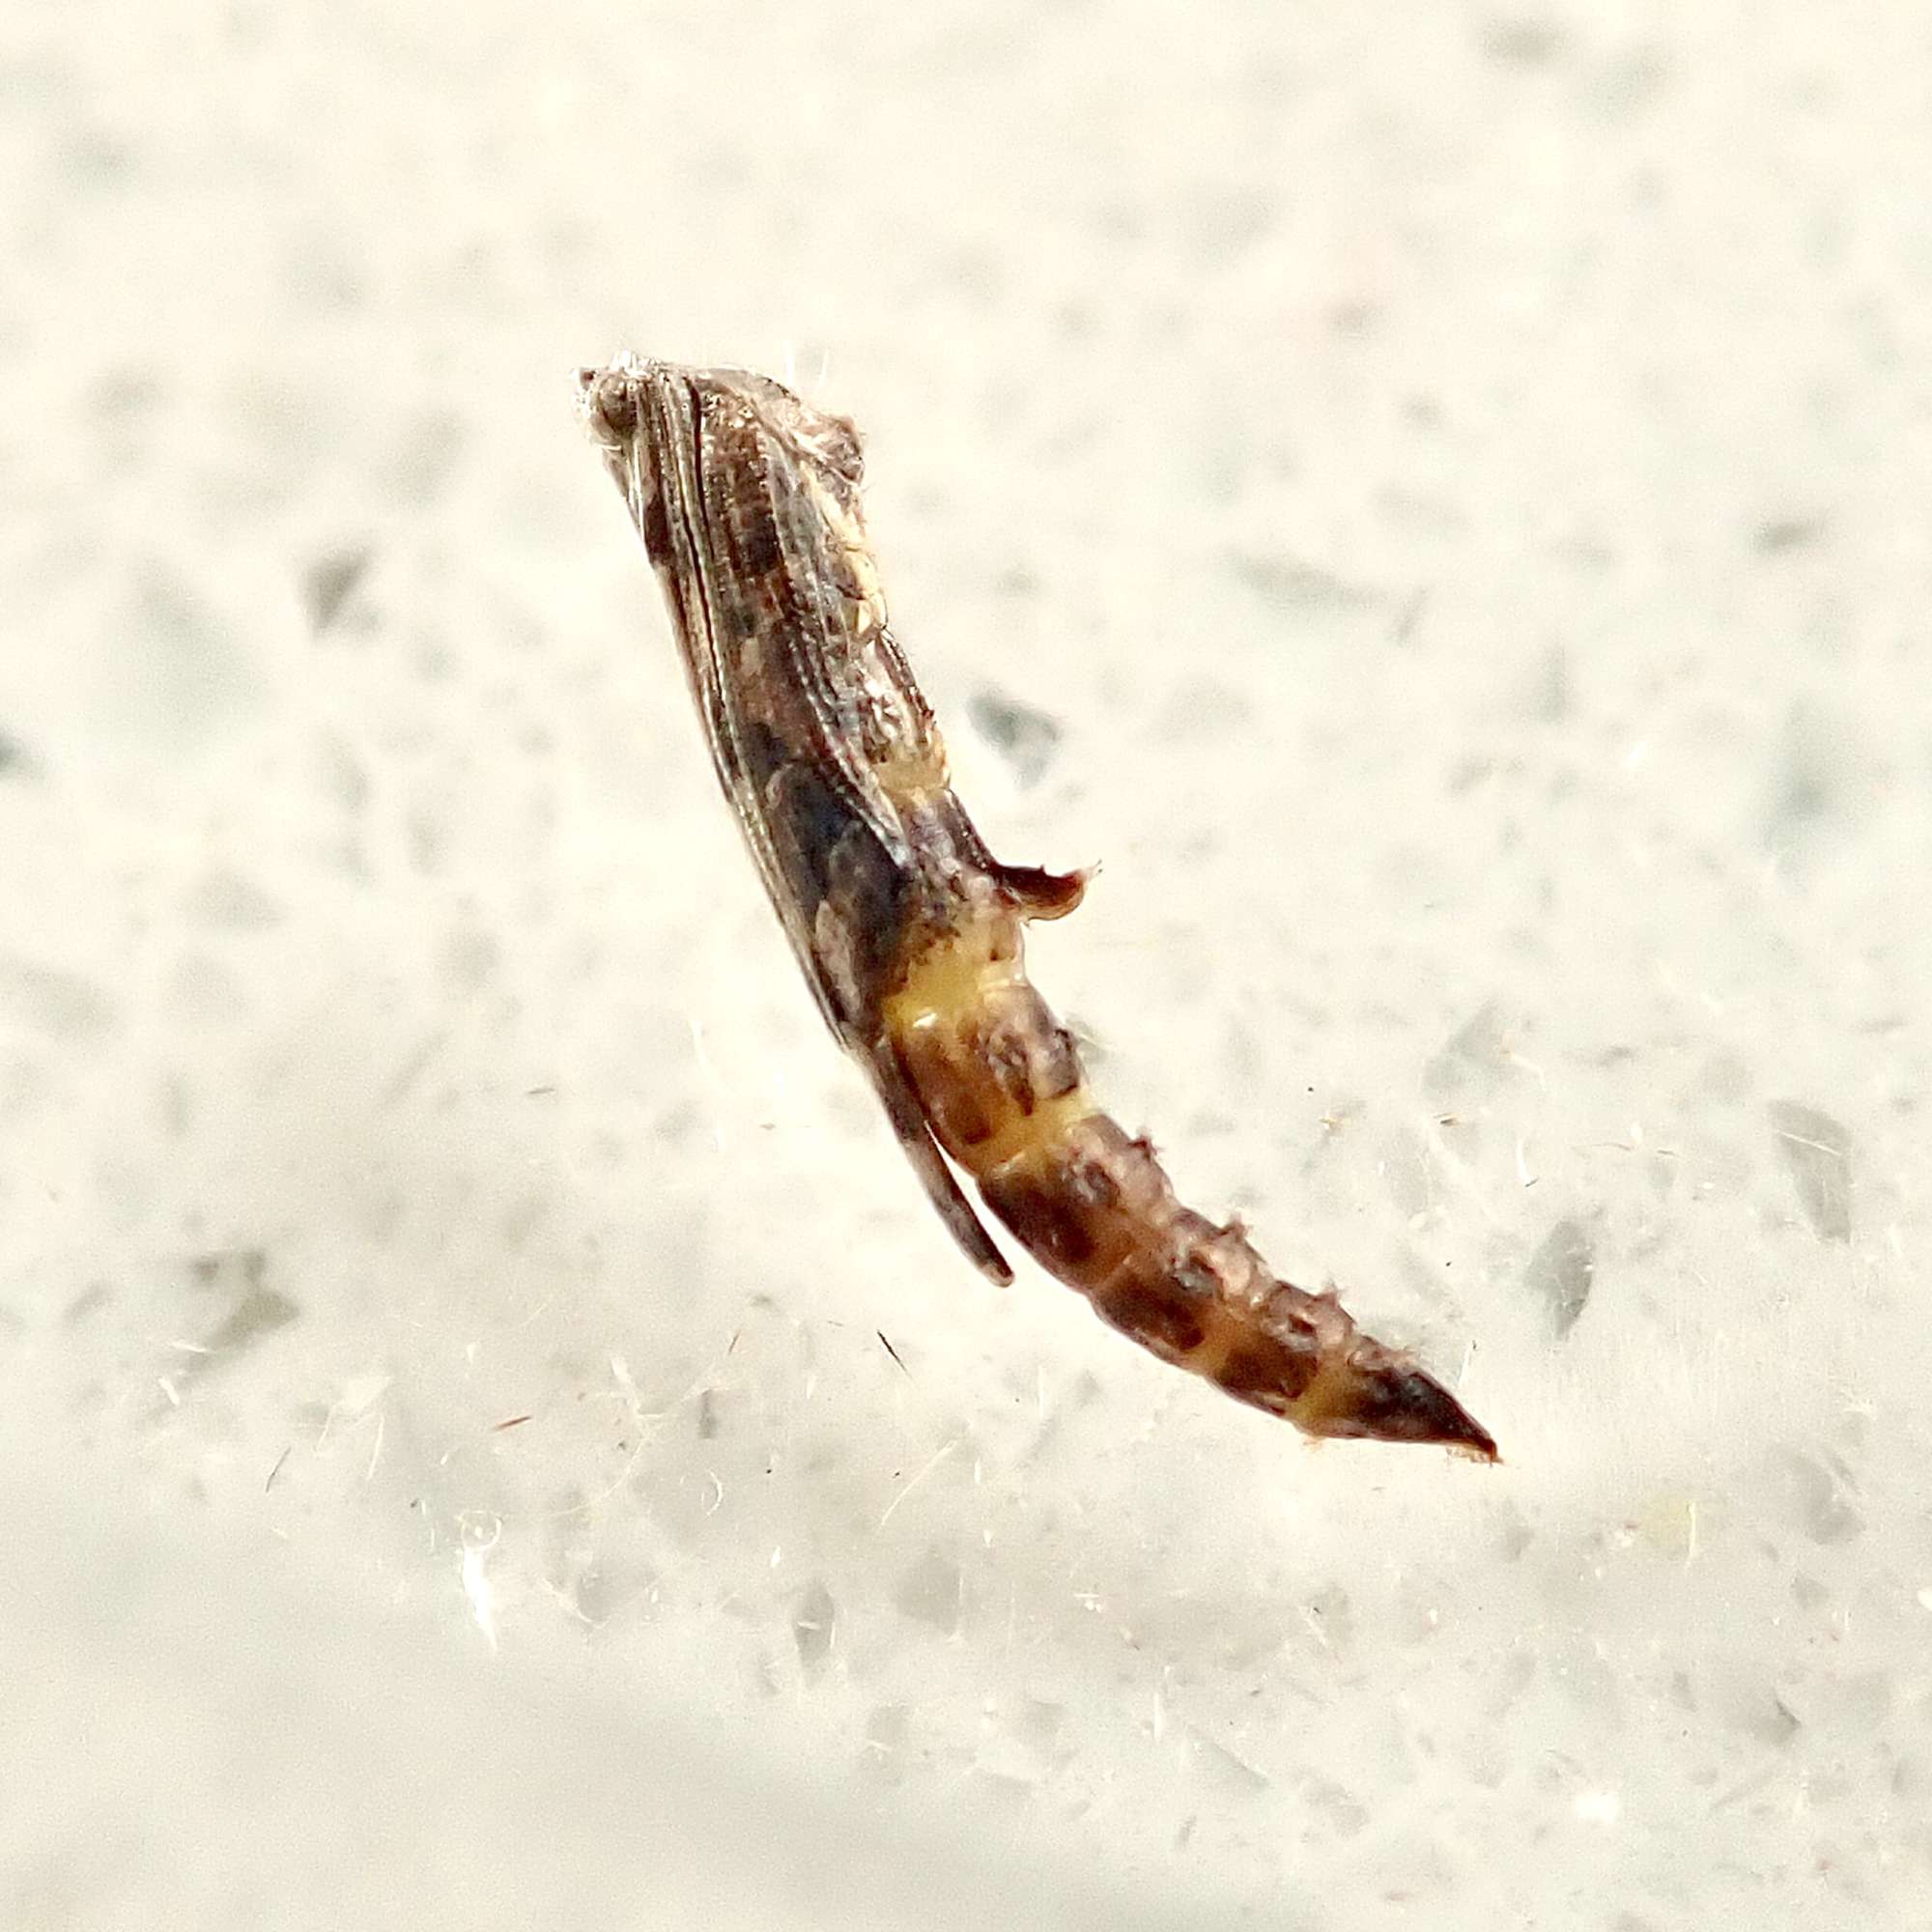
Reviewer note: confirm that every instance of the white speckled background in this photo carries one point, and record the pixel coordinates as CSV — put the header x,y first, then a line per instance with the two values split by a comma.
x,y
1449,486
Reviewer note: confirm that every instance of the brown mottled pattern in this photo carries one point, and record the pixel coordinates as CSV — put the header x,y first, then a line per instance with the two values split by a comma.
x,y
907,928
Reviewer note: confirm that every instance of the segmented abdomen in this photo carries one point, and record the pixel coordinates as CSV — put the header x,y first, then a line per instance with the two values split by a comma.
x,y
1001,1083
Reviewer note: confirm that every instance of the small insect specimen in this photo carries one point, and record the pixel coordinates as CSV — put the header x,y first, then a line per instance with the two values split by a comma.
x,y
909,930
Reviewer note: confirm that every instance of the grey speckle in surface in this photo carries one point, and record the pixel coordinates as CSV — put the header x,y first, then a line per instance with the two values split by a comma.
x,y
1818,1156
1468,1065
1293,586
330,581
1521,39
1824,781
186,667
1814,1493
258,1314
231,901
64,1006
255,1312
1777,534
933,1591
1561,1272
1028,736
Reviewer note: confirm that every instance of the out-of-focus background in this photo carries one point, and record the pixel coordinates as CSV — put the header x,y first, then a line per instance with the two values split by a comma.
x,y
1435,498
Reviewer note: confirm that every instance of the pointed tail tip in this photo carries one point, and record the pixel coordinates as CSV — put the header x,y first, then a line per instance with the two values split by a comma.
x,y
1393,1400
1433,1416
1423,1410
1478,1444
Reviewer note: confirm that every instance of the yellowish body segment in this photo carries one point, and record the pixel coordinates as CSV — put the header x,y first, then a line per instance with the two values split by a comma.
x,y
939,1017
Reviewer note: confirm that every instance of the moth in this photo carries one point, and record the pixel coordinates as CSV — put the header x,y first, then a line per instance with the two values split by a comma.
x,y
910,933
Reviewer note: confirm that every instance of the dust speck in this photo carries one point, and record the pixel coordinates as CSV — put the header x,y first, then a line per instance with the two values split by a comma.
x,y
813,1625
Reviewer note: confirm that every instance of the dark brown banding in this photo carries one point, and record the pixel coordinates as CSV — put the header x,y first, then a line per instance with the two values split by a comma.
x,y
1160,1318
939,1067
959,1115
1054,1229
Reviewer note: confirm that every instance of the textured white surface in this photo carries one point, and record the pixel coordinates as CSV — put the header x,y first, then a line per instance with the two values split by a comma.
x,y
1457,480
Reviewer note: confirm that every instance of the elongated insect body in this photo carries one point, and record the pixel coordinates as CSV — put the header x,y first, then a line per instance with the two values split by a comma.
x,y
910,931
